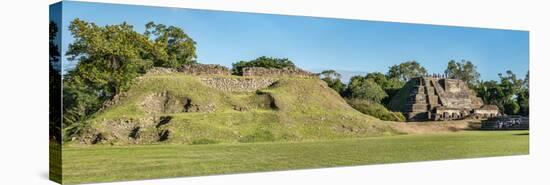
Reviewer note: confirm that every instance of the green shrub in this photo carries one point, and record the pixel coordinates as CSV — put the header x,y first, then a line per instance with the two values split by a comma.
x,y
360,87
263,61
376,110
258,136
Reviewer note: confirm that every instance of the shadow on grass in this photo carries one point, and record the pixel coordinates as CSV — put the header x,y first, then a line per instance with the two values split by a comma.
x,y
522,134
473,125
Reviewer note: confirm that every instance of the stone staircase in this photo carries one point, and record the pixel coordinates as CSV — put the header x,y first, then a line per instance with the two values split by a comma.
x,y
422,101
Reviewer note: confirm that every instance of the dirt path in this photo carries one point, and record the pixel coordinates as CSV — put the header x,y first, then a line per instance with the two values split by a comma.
x,y
435,126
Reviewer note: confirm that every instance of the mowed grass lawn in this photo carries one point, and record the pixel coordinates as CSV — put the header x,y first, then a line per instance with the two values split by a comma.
x,y
132,162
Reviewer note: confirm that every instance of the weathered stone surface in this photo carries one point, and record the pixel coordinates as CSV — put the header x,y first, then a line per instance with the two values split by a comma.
x,y
275,72
144,130
204,69
160,70
238,84
506,123
113,101
165,102
432,98
486,111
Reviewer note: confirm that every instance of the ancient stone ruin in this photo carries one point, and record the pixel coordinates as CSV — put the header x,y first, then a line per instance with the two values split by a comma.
x,y
506,123
215,69
237,84
204,69
439,98
275,72
165,102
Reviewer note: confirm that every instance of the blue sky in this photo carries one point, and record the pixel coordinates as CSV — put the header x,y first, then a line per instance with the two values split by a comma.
x,y
350,46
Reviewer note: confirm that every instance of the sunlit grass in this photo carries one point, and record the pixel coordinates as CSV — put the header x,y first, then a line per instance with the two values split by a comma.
x,y
101,163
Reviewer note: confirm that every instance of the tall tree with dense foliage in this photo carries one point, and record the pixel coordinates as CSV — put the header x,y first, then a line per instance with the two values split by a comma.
x,y
263,61
332,74
407,70
390,85
109,58
360,87
491,93
510,94
178,47
464,70
512,86
332,78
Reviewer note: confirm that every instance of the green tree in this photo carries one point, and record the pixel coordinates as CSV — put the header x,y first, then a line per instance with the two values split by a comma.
x,y
523,97
390,85
510,94
176,46
491,93
464,70
55,86
511,85
511,107
332,78
263,61
523,102
332,74
360,87
407,70
109,58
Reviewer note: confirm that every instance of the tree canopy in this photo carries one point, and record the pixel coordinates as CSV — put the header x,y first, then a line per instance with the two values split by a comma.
x,y
178,47
464,70
332,78
263,61
407,70
360,87
332,74
510,94
390,85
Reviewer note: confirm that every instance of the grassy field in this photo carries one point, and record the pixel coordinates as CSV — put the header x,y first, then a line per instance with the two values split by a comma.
x,y
102,163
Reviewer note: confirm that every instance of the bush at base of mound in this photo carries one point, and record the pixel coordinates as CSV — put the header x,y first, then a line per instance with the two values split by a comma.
x,y
375,109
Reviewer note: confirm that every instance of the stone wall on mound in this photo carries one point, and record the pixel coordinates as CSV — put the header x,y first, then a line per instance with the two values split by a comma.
x,y
275,72
204,69
247,83
237,84
160,70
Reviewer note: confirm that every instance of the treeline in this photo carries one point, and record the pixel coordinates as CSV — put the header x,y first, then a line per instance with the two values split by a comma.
x,y
372,92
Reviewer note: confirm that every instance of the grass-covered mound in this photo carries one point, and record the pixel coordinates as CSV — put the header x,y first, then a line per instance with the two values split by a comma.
x,y
376,110
177,108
